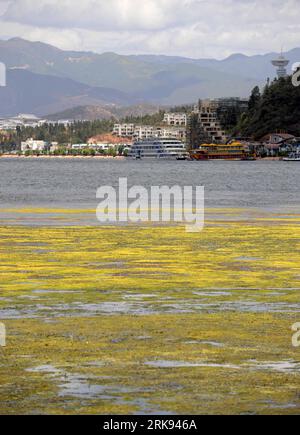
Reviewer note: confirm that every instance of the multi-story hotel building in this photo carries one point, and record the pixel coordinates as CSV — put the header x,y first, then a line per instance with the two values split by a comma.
x,y
124,130
141,132
205,122
175,119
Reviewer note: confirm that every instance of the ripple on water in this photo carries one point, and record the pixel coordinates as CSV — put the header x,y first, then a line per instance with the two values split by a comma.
x,y
207,343
79,386
289,366
78,309
166,364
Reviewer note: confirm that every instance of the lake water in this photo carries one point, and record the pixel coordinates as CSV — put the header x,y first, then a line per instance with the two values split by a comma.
x,y
73,183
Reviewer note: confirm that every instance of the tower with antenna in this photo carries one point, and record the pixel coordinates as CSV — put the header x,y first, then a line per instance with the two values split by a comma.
x,y
281,63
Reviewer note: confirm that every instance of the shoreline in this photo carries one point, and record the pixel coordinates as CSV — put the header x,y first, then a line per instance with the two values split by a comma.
x,y
11,156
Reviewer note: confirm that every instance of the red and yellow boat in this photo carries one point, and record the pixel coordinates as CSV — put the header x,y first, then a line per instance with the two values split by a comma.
x,y
231,151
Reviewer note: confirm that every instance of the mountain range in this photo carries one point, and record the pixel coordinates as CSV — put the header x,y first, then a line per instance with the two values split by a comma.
x,y
42,79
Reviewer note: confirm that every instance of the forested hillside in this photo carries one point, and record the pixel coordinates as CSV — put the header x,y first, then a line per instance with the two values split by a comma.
x,y
276,108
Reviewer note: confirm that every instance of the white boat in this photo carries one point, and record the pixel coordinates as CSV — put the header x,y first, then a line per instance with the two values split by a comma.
x,y
159,149
294,157
291,159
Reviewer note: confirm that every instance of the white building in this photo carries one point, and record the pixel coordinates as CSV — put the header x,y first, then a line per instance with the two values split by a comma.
x,y
147,132
80,146
21,120
108,146
140,132
133,131
33,145
64,122
143,132
96,146
53,147
175,119
171,133
124,130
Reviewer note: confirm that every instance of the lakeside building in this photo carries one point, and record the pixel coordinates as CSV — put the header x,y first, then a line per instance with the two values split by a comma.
x,y
96,147
175,119
133,131
28,120
142,132
205,123
178,133
21,120
109,141
34,145
124,130
274,144
81,146
100,146
64,122
277,138
38,146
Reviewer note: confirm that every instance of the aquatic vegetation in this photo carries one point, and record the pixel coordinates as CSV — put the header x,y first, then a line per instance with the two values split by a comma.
x,y
141,319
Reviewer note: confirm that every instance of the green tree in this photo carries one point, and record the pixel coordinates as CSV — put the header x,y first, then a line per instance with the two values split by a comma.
x,y
255,99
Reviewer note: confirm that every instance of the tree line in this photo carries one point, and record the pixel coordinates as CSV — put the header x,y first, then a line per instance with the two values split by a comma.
x,y
276,108
77,132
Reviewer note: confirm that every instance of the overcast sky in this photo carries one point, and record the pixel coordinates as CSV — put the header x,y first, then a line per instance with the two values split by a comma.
x,y
192,28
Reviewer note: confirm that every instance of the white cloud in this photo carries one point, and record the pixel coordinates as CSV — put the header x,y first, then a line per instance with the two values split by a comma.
x,y
102,14
195,28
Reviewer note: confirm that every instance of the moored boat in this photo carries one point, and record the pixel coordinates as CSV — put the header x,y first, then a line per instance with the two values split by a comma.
x,y
294,157
231,151
158,148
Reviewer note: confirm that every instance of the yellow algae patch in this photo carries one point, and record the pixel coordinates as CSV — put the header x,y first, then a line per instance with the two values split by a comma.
x,y
210,363
140,319
240,255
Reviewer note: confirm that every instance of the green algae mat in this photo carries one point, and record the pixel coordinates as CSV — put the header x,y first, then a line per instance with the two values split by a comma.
x,y
147,320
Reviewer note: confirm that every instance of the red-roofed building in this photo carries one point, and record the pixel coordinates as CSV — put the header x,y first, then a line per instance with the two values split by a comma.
x,y
275,144
277,138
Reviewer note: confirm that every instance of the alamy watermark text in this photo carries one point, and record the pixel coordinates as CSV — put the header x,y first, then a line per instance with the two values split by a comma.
x,y
158,204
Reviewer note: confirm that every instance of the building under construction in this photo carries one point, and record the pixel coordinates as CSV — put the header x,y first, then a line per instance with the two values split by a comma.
x,y
210,118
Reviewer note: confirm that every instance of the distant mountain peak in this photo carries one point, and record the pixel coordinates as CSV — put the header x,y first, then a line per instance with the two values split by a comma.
x,y
21,42
235,56
16,38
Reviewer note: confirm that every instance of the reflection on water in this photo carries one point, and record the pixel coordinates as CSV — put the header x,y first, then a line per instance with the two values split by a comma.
x,y
79,386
